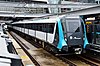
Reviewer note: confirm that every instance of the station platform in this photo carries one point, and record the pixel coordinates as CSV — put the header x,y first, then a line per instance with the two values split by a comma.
x,y
25,59
6,57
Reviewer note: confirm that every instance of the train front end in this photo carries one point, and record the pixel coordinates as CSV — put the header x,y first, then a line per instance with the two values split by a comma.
x,y
73,34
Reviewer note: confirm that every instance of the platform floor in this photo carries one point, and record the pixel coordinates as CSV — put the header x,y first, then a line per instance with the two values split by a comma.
x,y
25,59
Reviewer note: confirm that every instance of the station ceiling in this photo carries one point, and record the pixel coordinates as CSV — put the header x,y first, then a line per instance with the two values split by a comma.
x,y
27,1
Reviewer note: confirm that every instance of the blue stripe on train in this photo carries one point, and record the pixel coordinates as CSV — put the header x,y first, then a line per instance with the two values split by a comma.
x,y
85,37
61,42
97,33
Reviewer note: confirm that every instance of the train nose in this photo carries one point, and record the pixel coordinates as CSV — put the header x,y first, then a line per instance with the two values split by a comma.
x,y
77,50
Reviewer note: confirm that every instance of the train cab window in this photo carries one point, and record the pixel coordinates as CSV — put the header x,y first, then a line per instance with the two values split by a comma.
x,y
77,30
75,27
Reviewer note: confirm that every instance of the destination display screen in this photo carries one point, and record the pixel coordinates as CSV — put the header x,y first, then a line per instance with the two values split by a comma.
x,y
87,23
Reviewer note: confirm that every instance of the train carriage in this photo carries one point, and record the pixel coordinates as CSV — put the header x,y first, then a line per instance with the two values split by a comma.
x,y
92,25
63,33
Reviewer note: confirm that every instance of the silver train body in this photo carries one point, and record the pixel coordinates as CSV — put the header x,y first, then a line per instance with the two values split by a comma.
x,y
64,33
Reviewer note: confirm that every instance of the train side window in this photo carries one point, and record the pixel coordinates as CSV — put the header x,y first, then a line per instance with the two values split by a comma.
x,y
22,25
41,27
44,29
29,26
50,28
18,25
38,27
25,25
34,26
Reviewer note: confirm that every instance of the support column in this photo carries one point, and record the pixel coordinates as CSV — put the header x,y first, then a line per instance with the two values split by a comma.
x,y
54,10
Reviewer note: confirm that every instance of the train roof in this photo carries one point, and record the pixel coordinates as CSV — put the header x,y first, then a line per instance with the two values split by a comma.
x,y
52,19
46,20
72,16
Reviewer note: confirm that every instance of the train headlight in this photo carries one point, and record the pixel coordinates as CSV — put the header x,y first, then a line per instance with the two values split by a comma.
x,y
65,39
71,37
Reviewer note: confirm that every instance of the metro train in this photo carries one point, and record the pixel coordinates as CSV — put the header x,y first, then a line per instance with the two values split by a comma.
x,y
59,34
93,34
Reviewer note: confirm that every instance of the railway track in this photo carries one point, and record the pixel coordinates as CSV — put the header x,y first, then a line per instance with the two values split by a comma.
x,y
24,47
89,61
67,60
93,57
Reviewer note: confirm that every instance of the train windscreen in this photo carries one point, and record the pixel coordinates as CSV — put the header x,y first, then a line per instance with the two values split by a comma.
x,y
71,25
